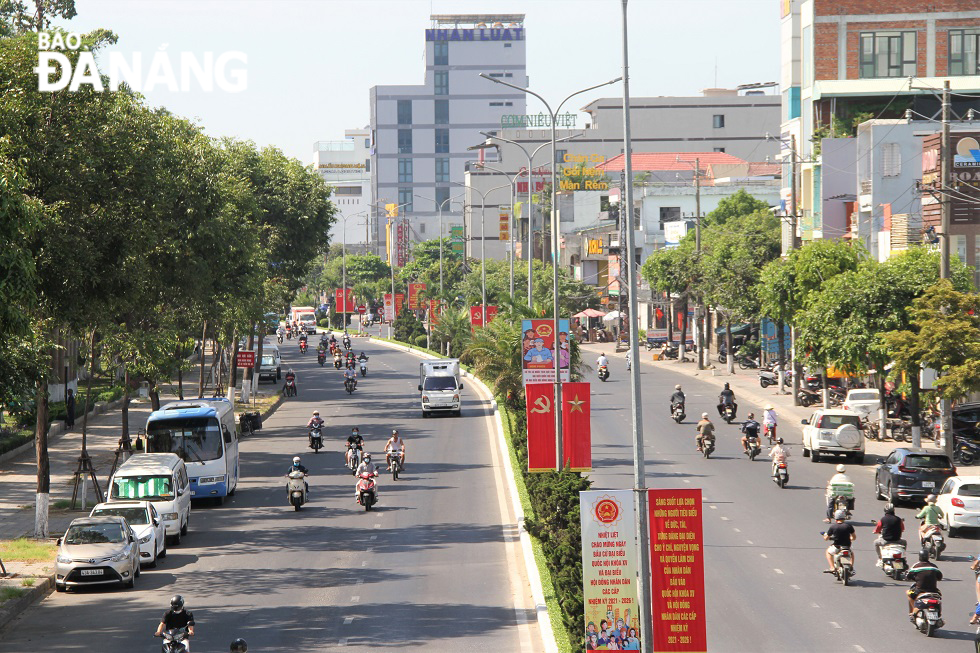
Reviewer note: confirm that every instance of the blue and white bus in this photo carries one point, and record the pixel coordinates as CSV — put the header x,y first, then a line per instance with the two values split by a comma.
x,y
204,434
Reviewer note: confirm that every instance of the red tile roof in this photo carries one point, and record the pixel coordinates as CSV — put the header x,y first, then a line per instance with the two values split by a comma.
x,y
655,161
765,169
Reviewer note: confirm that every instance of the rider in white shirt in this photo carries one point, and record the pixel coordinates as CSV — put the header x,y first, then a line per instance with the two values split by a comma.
x,y
365,466
602,361
769,420
842,481
395,445
779,453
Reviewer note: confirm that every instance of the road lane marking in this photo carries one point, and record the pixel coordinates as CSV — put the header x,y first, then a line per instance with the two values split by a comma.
x,y
713,507
749,542
763,555
814,605
778,571
342,641
360,581
369,549
686,480
796,587
835,624
859,648
724,518
364,564
734,529
377,525
355,599
348,621
374,537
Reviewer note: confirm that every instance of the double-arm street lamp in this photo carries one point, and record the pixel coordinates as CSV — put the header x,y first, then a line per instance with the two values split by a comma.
x,y
483,243
513,189
555,241
441,206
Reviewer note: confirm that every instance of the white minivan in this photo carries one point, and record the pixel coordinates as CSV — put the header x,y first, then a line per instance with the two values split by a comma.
x,y
161,479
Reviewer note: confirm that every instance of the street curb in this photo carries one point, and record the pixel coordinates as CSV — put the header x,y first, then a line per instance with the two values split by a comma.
x,y
13,608
56,430
534,578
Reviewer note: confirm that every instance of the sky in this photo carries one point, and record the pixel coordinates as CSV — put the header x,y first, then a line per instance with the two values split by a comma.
x,y
311,63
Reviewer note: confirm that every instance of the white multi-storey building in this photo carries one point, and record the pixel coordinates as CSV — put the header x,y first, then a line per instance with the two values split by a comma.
x,y
345,166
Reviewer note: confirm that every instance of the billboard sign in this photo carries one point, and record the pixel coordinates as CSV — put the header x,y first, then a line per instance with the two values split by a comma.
x,y
538,350
245,359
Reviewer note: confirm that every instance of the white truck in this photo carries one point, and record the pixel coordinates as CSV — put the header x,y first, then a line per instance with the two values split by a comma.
x,y
305,318
440,385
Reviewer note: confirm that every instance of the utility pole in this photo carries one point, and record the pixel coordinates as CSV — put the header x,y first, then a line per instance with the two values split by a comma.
x,y
697,242
945,175
792,246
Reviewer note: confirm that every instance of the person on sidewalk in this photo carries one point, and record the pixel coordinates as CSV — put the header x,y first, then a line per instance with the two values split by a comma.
x,y
70,409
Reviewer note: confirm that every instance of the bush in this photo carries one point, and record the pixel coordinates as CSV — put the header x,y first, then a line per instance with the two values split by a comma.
x,y
421,341
325,323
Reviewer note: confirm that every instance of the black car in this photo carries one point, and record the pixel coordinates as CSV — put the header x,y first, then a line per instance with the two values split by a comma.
x,y
966,421
912,473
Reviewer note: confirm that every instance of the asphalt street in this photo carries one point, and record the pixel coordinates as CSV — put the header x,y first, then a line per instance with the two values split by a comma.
x,y
432,566
764,552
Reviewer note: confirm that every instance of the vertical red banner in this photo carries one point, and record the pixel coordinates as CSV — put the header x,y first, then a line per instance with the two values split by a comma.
x,y
476,316
399,300
540,427
434,312
491,313
576,425
414,290
677,563
344,299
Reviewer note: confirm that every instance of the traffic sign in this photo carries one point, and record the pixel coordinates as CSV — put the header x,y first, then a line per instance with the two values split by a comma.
x,y
245,359
362,309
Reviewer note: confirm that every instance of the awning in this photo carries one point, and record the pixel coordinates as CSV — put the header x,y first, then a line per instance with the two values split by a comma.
x,y
611,316
589,312
737,329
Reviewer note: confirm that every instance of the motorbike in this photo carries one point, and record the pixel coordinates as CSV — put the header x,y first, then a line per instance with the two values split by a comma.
x,y
347,344
844,565
302,346
707,446
746,363
174,640
396,464
845,504
768,377
321,357
728,413
289,389
808,397
965,451
935,543
753,448
337,362
603,372
677,413
363,368
280,338
928,613
296,488
769,431
289,334
893,561
780,474
355,458
670,352
367,490
349,386
316,439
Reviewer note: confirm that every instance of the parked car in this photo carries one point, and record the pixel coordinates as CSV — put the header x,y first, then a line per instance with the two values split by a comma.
x,y
959,500
833,431
912,473
97,551
863,401
966,421
145,521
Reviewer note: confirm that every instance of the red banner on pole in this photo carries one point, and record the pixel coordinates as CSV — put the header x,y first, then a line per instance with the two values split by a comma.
x,y
540,427
576,426
677,563
414,289
476,316
399,300
434,311
491,313
342,300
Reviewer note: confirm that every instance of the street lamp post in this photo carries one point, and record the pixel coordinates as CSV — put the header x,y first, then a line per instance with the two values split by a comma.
x,y
391,265
513,189
441,205
530,205
483,243
559,457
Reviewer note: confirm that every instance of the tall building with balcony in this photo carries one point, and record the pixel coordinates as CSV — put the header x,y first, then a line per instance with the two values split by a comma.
x,y
345,167
420,133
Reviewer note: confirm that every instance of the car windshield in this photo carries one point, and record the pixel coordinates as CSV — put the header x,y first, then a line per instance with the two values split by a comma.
x,y
863,396
268,361
194,439
144,488
969,490
135,516
95,534
439,383
835,421
307,317
917,461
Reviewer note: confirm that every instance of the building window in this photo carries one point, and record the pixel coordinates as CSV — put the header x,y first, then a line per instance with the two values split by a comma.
x,y
442,141
405,200
891,160
669,214
441,51
496,104
887,54
508,45
367,165
404,171
508,74
367,143
508,104
442,195
404,141
496,74
421,227
441,82
442,169
348,190
963,47
718,121
560,156
442,112
404,112
719,149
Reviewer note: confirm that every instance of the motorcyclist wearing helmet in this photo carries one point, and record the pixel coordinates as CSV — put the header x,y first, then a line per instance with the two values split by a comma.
x,y
779,454
362,357
925,575
841,535
354,440
239,646
677,398
366,467
350,375
705,429
750,428
727,398
889,530
297,466
395,446
315,421
930,516
839,485
346,340
177,617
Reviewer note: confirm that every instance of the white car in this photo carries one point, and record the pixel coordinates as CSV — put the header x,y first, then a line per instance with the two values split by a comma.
x,y
145,521
833,431
863,401
959,499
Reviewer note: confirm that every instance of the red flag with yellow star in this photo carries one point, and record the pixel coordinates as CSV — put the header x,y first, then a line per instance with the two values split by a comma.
x,y
576,426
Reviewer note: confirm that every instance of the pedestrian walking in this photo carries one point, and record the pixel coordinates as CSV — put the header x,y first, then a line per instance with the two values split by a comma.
x,y
70,409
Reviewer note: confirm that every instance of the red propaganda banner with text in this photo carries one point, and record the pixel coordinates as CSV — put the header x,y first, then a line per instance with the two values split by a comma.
x,y
399,300
576,425
245,359
677,562
339,303
434,311
414,289
540,427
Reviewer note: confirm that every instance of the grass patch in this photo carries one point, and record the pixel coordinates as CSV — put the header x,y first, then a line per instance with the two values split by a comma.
x,y
28,582
261,404
27,550
7,593
60,504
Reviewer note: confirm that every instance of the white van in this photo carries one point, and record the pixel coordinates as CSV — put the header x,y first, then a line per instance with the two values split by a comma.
x,y
161,479
440,386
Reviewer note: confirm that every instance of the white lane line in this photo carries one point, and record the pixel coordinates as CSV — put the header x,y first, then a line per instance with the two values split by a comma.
x,y
364,564
778,571
796,587
355,599
859,648
749,542
734,529
713,507
686,480
814,605
724,518
763,555
342,641
374,537
348,621
377,525
835,624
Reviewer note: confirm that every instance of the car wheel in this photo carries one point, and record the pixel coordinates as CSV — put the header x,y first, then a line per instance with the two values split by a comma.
x,y
814,456
138,571
806,452
175,539
892,498
859,458
59,588
163,551
152,564
187,523
878,495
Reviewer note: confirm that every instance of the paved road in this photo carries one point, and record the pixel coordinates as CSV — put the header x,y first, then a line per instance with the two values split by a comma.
x,y
431,567
764,550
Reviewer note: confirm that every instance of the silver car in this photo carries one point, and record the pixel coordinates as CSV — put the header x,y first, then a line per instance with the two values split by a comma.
x,y
97,551
145,521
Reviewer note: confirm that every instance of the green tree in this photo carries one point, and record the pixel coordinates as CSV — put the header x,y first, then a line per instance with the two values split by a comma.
x,y
737,204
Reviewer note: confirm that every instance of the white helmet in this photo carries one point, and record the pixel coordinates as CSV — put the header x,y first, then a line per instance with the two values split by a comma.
x,y
677,387
295,460
840,469
704,415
